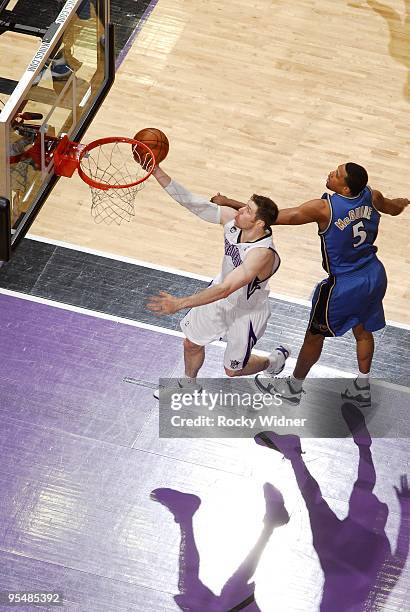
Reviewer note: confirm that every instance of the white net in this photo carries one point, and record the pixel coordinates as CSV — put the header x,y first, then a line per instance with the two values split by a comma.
x,y
115,164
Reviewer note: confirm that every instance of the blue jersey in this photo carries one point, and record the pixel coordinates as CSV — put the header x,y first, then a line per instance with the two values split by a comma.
x,y
348,240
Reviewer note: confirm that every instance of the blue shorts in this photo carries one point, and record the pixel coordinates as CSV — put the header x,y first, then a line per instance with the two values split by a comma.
x,y
341,302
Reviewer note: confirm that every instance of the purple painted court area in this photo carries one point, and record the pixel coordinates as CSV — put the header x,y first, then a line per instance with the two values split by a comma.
x,y
96,506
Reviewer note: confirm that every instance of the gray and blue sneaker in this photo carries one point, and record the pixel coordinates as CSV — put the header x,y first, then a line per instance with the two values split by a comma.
x,y
357,394
280,386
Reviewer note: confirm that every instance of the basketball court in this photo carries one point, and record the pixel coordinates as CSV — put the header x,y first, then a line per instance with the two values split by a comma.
x,y
98,509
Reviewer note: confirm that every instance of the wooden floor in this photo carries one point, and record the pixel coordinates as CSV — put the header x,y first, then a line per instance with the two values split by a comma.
x,y
262,97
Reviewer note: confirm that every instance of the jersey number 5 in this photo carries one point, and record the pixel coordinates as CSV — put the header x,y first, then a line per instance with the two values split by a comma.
x,y
359,232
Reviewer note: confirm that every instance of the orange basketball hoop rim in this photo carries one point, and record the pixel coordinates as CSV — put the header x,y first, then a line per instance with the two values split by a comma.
x,y
70,156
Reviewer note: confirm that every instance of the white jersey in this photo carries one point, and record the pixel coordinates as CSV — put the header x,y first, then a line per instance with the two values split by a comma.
x,y
255,294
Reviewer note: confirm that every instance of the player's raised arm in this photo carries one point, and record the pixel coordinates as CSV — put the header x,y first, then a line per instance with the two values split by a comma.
x,y
222,200
198,205
162,177
392,207
228,207
308,212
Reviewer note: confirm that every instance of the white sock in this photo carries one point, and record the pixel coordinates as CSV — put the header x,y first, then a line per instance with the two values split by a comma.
x,y
273,363
297,383
276,361
362,380
187,381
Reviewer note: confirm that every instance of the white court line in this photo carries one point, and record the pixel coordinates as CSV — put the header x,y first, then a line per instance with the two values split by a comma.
x,y
323,371
145,264
91,313
319,371
130,260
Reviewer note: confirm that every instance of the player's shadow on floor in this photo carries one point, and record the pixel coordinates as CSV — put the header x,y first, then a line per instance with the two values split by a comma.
x,y
238,593
359,568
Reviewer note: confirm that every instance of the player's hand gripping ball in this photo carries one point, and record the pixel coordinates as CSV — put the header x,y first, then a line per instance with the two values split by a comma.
x,y
156,141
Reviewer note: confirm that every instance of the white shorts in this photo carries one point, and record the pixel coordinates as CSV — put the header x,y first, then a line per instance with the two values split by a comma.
x,y
220,320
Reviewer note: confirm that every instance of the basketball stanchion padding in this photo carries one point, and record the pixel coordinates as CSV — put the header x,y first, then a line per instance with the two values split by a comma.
x,y
5,230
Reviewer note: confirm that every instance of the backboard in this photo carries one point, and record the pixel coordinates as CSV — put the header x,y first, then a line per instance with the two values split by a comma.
x,y
58,93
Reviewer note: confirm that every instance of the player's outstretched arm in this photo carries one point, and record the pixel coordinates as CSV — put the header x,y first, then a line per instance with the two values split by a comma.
x,y
199,206
389,207
222,200
308,212
228,207
255,262
162,177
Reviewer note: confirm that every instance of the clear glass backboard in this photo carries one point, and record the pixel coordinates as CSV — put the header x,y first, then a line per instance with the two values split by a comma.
x,y
58,93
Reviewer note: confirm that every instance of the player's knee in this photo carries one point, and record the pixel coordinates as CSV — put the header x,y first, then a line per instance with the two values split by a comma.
x,y
232,373
191,347
311,338
362,334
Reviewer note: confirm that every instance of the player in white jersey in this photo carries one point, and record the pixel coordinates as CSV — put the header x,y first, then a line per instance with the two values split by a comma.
x,y
236,304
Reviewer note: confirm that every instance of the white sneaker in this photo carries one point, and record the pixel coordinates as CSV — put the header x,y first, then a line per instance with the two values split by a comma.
x,y
186,389
281,353
281,386
357,394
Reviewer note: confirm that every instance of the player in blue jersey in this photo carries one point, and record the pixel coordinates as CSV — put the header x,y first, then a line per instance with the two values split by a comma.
x,y
351,297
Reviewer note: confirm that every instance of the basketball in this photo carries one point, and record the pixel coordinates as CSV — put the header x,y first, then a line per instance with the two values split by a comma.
x,y
156,141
